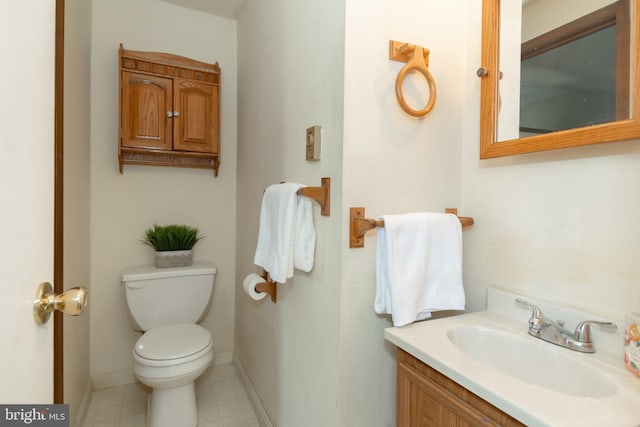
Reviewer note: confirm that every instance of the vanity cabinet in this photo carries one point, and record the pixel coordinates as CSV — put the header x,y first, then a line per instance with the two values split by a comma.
x,y
169,111
426,398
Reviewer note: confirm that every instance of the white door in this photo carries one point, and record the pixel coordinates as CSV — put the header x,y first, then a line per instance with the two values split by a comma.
x,y
27,54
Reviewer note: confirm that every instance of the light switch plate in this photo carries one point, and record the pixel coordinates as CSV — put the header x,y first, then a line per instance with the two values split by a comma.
x,y
313,143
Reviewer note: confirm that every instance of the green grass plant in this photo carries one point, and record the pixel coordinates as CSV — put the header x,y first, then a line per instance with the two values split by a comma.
x,y
173,237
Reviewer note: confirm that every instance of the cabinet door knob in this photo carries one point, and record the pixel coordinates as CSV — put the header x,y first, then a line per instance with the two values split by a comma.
x,y
176,114
169,114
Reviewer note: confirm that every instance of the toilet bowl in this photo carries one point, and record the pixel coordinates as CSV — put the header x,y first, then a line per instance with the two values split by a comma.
x,y
166,304
169,359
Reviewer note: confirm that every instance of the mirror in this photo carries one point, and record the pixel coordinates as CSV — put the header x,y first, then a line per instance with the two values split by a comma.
x,y
555,89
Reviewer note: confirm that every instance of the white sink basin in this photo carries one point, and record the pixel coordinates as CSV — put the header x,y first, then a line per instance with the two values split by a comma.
x,y
540,384
531,360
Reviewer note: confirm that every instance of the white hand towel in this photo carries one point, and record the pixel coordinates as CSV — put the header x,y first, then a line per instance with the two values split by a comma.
x,y
287,235
304,246
418,266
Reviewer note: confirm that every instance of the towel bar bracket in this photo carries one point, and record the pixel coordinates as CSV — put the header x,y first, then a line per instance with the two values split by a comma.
x,y
321,194
357,227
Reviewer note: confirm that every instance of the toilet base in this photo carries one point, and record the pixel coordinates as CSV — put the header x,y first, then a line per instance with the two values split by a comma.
x,y
173,407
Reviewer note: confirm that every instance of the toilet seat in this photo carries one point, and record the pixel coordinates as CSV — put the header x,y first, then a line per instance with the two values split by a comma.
x,y
172,345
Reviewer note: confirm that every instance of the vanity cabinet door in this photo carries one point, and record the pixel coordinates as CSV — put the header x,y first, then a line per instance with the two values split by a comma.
x,y
145,101
427,398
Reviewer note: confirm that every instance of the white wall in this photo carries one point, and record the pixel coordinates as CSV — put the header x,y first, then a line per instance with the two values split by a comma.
x,y
393,164
556,225
509,60
76,240
318,356
123,206
290,78
545,15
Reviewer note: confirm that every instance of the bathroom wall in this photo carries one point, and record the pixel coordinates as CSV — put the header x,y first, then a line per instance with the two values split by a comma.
x,y
318,356
76,196
558,225
545,15
123,206
290,62
393,164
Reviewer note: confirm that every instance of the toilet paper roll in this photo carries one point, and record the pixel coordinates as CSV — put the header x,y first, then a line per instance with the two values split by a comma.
x,y
249,286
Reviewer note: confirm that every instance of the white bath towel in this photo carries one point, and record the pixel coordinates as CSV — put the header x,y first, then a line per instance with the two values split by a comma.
x,y
418,266
287,236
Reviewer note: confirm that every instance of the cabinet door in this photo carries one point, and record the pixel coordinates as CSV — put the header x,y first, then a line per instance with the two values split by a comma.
x,y
145,103
196,117
426,398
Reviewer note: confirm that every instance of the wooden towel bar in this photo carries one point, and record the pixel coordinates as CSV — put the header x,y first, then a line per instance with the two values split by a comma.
x,y
359,225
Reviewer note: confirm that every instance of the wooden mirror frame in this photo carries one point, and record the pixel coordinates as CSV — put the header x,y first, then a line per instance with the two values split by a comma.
x,y
490,147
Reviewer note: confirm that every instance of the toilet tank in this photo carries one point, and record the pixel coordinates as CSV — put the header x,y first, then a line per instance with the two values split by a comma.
x,y
168,296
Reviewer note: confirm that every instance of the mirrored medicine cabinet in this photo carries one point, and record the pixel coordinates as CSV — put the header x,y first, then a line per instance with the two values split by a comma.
x,y
558,74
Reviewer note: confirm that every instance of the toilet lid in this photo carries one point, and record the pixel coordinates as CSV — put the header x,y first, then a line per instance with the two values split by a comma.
x,y
172,342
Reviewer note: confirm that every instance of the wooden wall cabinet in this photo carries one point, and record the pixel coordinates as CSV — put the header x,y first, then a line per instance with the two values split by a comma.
x,y
426,398
169,111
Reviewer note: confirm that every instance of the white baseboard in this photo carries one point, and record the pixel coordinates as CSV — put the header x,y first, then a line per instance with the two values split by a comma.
x,y
261,414
115,379
222,357
81,415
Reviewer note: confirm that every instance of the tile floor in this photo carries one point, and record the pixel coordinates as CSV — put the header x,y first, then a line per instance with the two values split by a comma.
x,y
222,402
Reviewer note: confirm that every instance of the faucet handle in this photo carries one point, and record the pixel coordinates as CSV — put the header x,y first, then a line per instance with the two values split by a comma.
x,y
536,311
536,320
583,330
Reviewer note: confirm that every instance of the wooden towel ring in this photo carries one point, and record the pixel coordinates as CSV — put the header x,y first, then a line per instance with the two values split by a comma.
x,y
418,63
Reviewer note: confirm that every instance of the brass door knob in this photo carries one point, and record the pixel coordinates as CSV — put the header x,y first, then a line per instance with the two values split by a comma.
x,y
72,302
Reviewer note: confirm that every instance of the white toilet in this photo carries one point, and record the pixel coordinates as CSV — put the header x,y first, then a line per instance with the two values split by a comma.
x,y
166,304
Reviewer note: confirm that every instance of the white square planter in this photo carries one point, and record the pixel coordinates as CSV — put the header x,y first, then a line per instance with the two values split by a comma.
x,y
166,259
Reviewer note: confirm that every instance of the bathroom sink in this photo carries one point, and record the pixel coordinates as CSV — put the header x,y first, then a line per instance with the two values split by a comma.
x,y
538,383
531,360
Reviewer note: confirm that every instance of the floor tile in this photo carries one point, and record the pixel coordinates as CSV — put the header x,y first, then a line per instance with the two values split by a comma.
x,y
221,400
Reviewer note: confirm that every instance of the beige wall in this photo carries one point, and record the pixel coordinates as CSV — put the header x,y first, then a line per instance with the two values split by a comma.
x,y
290,77
76,196
123,206
544,15
318,356
393,164
555,225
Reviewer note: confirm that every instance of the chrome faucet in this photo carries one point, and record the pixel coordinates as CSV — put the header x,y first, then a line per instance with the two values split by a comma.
x,y
554,332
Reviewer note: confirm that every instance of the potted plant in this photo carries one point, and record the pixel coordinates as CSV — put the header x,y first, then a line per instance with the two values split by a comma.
x,y
173,244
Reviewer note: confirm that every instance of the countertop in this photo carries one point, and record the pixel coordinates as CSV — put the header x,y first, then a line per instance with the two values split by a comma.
x,y
530,404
